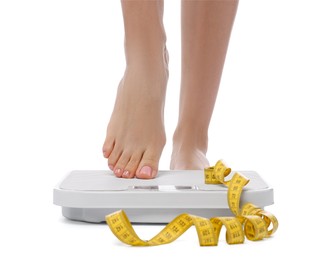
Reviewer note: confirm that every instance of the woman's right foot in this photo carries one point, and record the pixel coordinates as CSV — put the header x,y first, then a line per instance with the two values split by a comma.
x,y
135,133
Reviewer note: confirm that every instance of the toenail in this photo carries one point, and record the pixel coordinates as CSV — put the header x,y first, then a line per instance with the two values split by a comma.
x,y
111,167
146,171
117,171
125,174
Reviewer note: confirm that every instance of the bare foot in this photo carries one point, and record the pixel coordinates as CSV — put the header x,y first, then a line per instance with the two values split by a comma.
x,y
189,158
135,134
189,153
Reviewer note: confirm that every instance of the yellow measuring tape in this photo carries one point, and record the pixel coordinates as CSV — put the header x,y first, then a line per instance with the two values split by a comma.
x,y
249,221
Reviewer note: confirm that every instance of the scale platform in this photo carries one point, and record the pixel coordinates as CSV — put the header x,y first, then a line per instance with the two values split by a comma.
x,y
91,195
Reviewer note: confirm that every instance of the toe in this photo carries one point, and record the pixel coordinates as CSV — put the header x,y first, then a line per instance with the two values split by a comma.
x,y
114,157
118,172
108,147
132,165
120,165
146,172
148,167
111,167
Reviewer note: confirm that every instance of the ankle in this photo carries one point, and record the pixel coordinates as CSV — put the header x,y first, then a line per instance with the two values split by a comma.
x,y
148,47
153,60
189,137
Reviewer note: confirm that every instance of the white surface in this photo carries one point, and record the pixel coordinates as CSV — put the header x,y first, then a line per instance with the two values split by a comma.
x,y
99,180
90,195
59,68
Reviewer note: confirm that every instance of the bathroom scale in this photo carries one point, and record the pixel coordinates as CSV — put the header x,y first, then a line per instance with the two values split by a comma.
x,y
90,195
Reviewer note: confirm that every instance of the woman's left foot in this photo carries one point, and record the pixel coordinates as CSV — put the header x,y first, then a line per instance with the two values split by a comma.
x,y
188,154
188,159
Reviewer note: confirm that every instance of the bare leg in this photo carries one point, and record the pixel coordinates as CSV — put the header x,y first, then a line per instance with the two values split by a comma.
x,y
206,29
135,134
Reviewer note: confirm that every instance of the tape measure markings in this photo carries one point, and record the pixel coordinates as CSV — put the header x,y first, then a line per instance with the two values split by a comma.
x,y
249,221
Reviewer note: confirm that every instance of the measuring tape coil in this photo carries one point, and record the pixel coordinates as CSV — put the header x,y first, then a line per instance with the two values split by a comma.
x,y
249,221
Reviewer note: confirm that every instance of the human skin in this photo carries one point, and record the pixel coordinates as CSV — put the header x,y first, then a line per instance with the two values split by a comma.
x,y
135,133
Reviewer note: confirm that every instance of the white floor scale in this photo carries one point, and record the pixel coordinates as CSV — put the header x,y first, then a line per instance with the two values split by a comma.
x,y
91,195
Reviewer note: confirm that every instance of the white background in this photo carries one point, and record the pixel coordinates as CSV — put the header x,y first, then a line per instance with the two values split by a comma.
x,y
60,63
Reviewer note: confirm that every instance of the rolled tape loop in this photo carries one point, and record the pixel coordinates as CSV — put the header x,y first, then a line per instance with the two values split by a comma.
x,y
249,221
